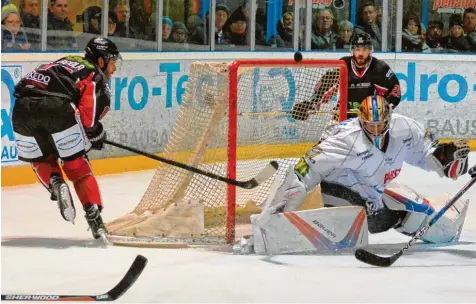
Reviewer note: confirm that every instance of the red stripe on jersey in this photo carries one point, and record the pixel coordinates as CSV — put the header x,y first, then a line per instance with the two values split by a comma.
x,y
87,103
380,90
328,95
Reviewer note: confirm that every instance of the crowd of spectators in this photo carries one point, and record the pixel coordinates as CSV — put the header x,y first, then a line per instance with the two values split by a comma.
x,y
21,30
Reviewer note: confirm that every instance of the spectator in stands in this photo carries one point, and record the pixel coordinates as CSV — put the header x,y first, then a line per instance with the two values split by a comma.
x,y
60,29
91,20
367,23
238,22
469,26
192,23
179,32
13,36
323,37
235,29
456,41
346,29
413,39
123,27
201,31
434,37
30,16
30,13
111,24
166,28
222,12
284,37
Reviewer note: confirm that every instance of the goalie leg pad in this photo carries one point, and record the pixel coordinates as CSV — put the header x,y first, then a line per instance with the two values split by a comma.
x,y
421,210
308,231
80,173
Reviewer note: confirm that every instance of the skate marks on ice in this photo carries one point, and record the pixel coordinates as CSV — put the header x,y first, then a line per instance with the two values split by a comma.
x,y
51,242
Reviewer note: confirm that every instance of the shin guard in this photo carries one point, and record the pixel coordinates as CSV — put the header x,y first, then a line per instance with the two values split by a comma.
x,y
80,173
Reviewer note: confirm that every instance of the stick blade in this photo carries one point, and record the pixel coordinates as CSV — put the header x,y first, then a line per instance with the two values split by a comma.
x,y
129,278
261,177
375,260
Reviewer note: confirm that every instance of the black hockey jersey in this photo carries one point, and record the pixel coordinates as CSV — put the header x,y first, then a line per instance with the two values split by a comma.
x,y
75,79
376,78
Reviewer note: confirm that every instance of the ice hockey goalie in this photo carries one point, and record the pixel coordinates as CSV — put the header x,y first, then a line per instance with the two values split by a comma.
x,y
356,166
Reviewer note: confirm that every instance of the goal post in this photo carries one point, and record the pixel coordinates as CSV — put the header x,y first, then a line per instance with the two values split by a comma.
x,y
234,119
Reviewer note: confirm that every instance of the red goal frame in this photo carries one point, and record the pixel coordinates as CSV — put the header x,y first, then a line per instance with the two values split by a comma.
x,y
233,115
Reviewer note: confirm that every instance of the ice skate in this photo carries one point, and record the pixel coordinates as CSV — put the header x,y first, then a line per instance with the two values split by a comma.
x,y
60,192
94,219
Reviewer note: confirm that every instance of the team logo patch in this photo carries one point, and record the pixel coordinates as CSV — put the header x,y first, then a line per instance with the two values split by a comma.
x,y
302,167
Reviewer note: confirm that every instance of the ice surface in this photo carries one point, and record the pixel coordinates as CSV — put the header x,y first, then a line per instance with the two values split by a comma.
x,y
43,254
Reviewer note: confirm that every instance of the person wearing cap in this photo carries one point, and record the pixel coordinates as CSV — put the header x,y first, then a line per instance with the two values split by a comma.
x,y
179,32
92,20
167,25
13,36
456,41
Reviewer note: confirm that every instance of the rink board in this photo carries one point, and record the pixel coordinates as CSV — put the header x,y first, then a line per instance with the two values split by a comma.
x,y
23,175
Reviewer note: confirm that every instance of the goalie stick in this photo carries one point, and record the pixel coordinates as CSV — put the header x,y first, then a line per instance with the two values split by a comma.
x,y
261,177
376,260
115,293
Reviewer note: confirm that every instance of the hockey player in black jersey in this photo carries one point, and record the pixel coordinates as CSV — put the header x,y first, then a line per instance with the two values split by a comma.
x,y
56,118
367,76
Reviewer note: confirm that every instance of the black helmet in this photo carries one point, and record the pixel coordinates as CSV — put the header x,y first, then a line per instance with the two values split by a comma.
x,y
361,39
101,47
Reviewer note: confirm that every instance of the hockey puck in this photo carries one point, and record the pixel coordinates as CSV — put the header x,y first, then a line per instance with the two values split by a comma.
x,y
298,57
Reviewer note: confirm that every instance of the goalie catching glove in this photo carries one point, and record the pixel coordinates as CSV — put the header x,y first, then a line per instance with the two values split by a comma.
x,y
97,136
451,159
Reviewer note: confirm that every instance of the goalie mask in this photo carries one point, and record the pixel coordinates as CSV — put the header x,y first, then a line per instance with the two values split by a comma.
x,y
374,117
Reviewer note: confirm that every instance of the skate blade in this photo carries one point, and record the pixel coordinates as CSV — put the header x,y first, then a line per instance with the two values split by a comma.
x,y
105,242
67,203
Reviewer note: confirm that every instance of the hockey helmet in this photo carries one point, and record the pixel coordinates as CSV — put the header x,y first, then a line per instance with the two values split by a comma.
x,y
101,47
360,40
374,116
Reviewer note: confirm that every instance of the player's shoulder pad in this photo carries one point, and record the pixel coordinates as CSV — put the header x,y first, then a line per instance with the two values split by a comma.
x,y
345,130
407,129
347,59
380,65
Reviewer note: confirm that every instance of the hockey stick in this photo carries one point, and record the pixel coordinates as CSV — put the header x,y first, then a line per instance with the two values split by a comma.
x,y
127,281
376,260
261,177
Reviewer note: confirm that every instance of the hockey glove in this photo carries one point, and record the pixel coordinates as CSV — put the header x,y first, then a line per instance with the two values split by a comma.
x,y
451,159
472,171
97,136
300,110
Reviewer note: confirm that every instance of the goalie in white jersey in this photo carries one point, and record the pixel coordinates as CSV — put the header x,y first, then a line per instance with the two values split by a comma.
x,y
358,160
